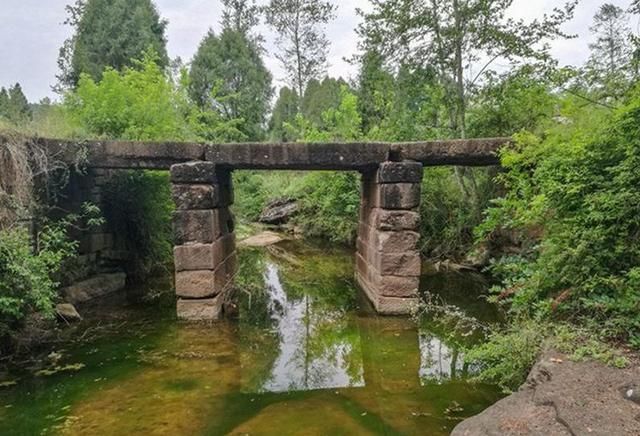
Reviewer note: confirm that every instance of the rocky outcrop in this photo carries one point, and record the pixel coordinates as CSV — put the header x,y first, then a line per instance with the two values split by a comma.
x,y
562,397
279,211
67,312
94,287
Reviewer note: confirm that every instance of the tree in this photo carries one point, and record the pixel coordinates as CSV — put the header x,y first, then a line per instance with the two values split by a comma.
x,y
284,112
14,104
320,96
609,64
375,90
4,102
302,42
458,37
228,76
241,16
109,33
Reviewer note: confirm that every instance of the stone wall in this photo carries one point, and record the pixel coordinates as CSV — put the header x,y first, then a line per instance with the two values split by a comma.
x,y
98,247
205,252
388,262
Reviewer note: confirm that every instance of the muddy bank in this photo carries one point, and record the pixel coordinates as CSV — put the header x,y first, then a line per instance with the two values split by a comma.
x,y
561,397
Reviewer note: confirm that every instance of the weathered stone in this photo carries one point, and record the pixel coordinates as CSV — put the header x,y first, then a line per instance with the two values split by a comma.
x,y
395,220
563,397
279,211
194,172
67,312
202,226
395,242
96,286
200,310
399,196
387,285
400,172
226,194
196,284
226,272
118,154
195,196
391,264
388,305
194,257
263,239
299,156
404,196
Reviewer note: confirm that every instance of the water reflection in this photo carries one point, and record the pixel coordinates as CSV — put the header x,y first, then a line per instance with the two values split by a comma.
x,y
439,362
312,355
304,357
311,334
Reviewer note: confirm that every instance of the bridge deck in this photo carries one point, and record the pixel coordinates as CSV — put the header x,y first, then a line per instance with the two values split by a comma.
x,y
294,156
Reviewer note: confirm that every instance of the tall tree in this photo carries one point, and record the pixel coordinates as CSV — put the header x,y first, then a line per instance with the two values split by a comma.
x,y
241,16
460,40
301,38
109,33
228,76
18,108
284,112
375,90
319,97
610,63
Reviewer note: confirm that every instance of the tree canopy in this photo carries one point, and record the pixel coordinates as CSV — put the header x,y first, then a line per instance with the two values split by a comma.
x,y
110,33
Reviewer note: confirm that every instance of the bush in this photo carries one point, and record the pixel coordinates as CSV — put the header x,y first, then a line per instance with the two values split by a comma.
x,y
329,206
506,357
582,194
28,276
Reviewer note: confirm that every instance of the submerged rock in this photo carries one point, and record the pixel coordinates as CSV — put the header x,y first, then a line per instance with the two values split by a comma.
x,y
279,211
263,239
67,312
562,397
94,287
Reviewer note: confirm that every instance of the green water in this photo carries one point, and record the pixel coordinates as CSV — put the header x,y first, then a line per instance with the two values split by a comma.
x,y
305,356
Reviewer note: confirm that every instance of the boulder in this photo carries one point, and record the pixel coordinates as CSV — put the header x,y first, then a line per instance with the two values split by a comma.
x,y
279,211
67,312
563,397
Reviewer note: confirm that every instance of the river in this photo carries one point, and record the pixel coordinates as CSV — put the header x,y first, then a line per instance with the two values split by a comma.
x,y
306,355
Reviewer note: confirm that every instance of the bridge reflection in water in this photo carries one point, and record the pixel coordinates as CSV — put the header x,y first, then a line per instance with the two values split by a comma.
x,y
326,336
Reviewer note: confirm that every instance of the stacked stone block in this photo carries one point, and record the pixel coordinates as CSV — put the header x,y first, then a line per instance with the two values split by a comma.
x,y
388,262
205,253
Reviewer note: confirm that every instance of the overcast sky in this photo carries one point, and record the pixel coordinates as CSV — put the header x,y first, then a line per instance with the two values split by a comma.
x,y
32,33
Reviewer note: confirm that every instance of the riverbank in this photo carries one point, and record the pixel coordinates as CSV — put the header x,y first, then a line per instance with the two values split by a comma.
x,y
564,397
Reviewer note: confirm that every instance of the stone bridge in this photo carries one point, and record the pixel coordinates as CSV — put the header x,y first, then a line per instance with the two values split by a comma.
x,y
388,265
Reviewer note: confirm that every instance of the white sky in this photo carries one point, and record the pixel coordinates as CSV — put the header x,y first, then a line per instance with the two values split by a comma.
x,y
32,33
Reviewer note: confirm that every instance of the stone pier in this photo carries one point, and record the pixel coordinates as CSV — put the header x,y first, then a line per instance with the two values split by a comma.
x,y
387,255
205,251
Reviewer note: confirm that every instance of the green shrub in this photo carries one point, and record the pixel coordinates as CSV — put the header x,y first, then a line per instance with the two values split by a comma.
x,y
507,355
329,206
28,276
579,194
